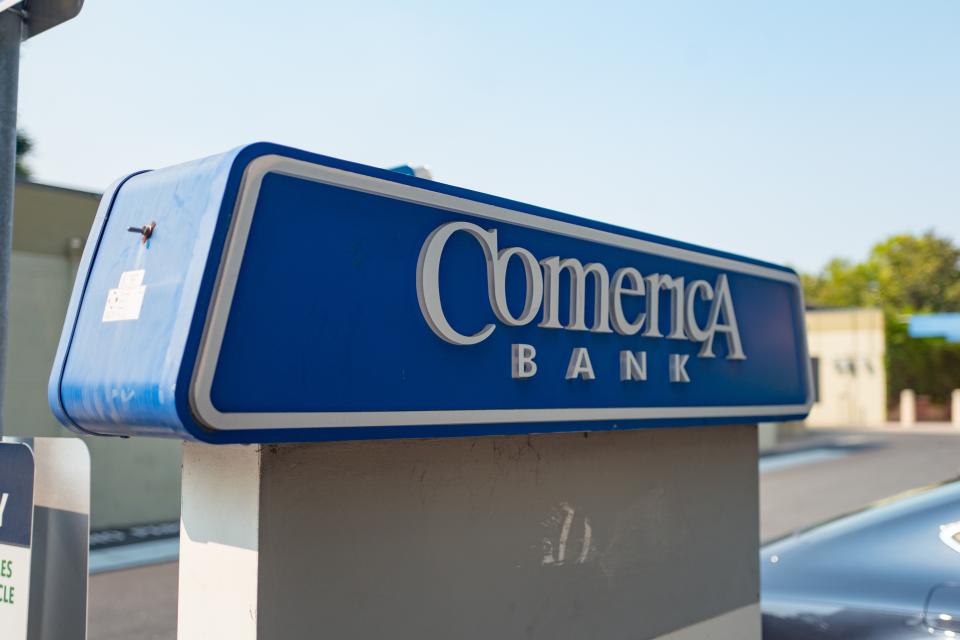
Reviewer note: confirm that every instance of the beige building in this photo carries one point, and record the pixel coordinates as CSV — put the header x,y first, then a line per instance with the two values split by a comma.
x,y
847,349
134,480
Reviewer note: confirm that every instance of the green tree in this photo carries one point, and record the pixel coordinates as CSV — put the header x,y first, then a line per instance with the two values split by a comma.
x,y
903,275
24,147
929,366
917,274
842,284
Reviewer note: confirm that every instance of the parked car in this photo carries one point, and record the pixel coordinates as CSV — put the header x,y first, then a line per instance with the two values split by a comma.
x,y
889,572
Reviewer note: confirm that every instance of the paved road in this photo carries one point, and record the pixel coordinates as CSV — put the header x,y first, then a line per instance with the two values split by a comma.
x,y
876,466
136,604
823,478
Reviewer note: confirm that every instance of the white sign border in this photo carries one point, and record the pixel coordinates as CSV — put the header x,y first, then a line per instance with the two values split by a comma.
x,y
200,389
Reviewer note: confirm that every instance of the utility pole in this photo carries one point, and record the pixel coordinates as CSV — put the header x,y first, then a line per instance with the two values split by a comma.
x,y
11,27
19,20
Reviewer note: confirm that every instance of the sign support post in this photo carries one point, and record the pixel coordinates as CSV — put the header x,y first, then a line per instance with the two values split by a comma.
x,y
19,20
10,32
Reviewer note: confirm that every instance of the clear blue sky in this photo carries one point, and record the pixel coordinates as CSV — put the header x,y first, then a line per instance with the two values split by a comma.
x,y
792,131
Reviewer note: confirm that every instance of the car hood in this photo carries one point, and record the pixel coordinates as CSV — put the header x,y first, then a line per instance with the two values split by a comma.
x,y
890,556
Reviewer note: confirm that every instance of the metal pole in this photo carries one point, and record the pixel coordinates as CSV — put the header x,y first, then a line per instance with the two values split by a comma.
x,y
10,30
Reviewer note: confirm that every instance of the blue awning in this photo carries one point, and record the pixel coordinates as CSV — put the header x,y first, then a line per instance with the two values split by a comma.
x,y
936,325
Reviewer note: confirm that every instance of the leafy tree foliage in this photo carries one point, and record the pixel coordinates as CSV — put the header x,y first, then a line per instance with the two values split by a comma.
x,y
24,147
842,284
902,275
930,366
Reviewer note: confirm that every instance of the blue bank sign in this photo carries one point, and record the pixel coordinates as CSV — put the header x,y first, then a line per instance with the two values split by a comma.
x,y
276,295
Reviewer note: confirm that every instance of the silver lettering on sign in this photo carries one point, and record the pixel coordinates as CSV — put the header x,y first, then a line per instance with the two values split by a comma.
x,y
618,289
498,292
521,361
578,291
428,279
542,283
580,365
678,367
655,282
633,366
690,319
723,303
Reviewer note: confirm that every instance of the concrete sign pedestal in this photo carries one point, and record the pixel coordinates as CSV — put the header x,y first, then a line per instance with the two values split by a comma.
x,y
641,534
269,296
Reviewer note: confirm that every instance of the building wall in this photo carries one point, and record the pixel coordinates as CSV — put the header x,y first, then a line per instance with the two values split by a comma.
x,y
134,480
848,349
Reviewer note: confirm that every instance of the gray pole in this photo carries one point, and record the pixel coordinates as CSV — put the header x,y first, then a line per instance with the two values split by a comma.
x,y
10,30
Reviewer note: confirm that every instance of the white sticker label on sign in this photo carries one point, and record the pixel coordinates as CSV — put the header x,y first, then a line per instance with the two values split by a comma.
x,y
124,302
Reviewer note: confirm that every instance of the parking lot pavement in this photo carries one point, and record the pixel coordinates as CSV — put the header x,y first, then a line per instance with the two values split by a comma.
x,y
134,604
801,483
855,469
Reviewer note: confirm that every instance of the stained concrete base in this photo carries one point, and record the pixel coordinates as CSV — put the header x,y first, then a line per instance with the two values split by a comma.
x,y
639,534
